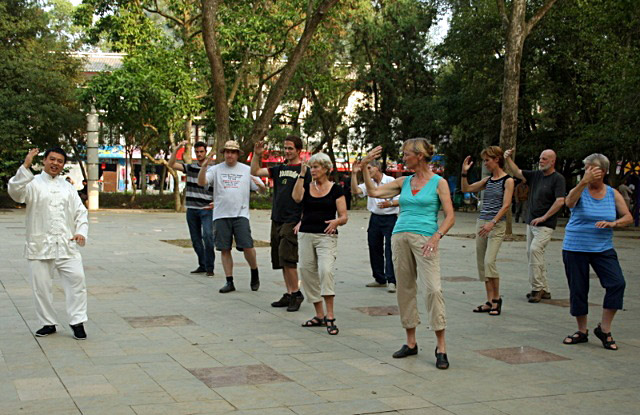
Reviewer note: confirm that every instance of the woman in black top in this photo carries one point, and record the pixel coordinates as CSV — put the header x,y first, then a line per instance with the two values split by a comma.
x,y
318,237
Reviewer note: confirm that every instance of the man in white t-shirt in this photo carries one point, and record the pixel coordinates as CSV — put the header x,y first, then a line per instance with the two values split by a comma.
x,y
232,185
384,213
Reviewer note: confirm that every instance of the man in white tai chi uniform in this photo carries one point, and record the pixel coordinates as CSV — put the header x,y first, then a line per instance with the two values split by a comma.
x,y
56,223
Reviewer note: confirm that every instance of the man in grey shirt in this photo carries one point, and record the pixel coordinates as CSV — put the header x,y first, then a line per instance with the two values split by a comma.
x,y
546,198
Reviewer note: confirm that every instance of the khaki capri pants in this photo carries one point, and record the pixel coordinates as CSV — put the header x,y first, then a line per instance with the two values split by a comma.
x,y
317,255
413,269
487,249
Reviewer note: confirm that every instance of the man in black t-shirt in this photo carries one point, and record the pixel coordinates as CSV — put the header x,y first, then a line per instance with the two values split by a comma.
x,y
285,215
546,198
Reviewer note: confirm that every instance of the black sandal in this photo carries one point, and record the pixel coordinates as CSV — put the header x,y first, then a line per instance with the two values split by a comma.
x,y
479,308
441,360
496,311
577,337
314,322
603,338
332,329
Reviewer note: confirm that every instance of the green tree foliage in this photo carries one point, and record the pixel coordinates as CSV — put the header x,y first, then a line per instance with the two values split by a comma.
x,y
396,74
38,79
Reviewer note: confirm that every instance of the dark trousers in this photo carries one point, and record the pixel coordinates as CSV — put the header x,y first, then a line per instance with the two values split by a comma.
x,y
607,268
200,222
379,239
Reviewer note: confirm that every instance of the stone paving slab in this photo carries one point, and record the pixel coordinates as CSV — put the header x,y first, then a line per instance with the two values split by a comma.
x,y
153,326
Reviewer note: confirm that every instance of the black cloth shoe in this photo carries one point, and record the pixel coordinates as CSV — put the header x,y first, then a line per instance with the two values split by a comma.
x,y
255,280
45,331
405,351
228,287
295,301
282,302
199,270
78,332
441,360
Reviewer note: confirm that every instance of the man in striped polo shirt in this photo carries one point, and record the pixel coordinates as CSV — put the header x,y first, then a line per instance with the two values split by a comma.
x,y
199,209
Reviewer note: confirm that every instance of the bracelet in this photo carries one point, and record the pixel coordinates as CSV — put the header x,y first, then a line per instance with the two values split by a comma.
x,y
463,174
494,221
300,177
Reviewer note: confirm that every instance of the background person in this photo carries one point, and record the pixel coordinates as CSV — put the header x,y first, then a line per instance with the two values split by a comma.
x,y
491,224
415,241
522,207
321,201
285,215
56,225
588,241
232,185
384,214
199,201
546,198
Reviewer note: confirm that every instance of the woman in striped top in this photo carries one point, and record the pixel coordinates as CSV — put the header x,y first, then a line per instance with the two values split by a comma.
x,y
588,240
491,224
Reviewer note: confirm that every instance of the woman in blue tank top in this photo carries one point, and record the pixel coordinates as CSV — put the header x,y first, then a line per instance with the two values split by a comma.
x,y
415,240
491,224
588,240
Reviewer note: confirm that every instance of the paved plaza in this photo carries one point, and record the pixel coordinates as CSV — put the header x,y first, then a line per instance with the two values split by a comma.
x,y
163,341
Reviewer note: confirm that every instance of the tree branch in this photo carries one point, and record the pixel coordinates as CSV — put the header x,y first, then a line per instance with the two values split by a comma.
x,y
284,43
239,75
539,15
163,14
503,13
261,126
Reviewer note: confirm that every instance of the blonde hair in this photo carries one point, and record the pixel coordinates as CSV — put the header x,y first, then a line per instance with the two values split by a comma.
x,y
323,160
419,145
494,152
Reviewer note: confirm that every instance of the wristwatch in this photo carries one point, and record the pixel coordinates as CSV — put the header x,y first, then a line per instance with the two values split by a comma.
x,y
440,233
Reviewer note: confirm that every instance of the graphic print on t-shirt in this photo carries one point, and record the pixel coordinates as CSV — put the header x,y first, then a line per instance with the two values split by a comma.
x,y
231,180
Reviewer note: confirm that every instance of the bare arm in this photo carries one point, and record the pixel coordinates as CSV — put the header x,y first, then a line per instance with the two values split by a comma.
x,y
557,205
202,175
431,247
475,187
386,191
174,154
260,184
625,217
298,190
590,174
341,207
511,165
256,161
355,189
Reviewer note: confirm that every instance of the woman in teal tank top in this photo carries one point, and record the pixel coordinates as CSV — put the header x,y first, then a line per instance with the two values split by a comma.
x,y
415,240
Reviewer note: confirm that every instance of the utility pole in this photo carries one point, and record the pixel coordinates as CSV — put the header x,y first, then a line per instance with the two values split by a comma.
x,y
92,159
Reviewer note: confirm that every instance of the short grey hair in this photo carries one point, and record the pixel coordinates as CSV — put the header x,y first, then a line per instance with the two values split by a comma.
x,y
323,160
599,160
376,164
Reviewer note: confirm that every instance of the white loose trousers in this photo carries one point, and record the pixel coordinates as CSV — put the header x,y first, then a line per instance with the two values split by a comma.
x,y
73,281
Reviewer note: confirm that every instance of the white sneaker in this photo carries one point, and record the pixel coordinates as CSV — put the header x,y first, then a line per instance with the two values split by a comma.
x,y
391,287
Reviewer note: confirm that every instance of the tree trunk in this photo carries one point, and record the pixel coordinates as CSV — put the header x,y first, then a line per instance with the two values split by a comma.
x,y
132,175
517,31
143,175
219,86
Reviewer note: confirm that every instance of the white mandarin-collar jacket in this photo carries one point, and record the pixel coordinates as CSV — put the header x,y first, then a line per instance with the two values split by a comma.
x,y
55,214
